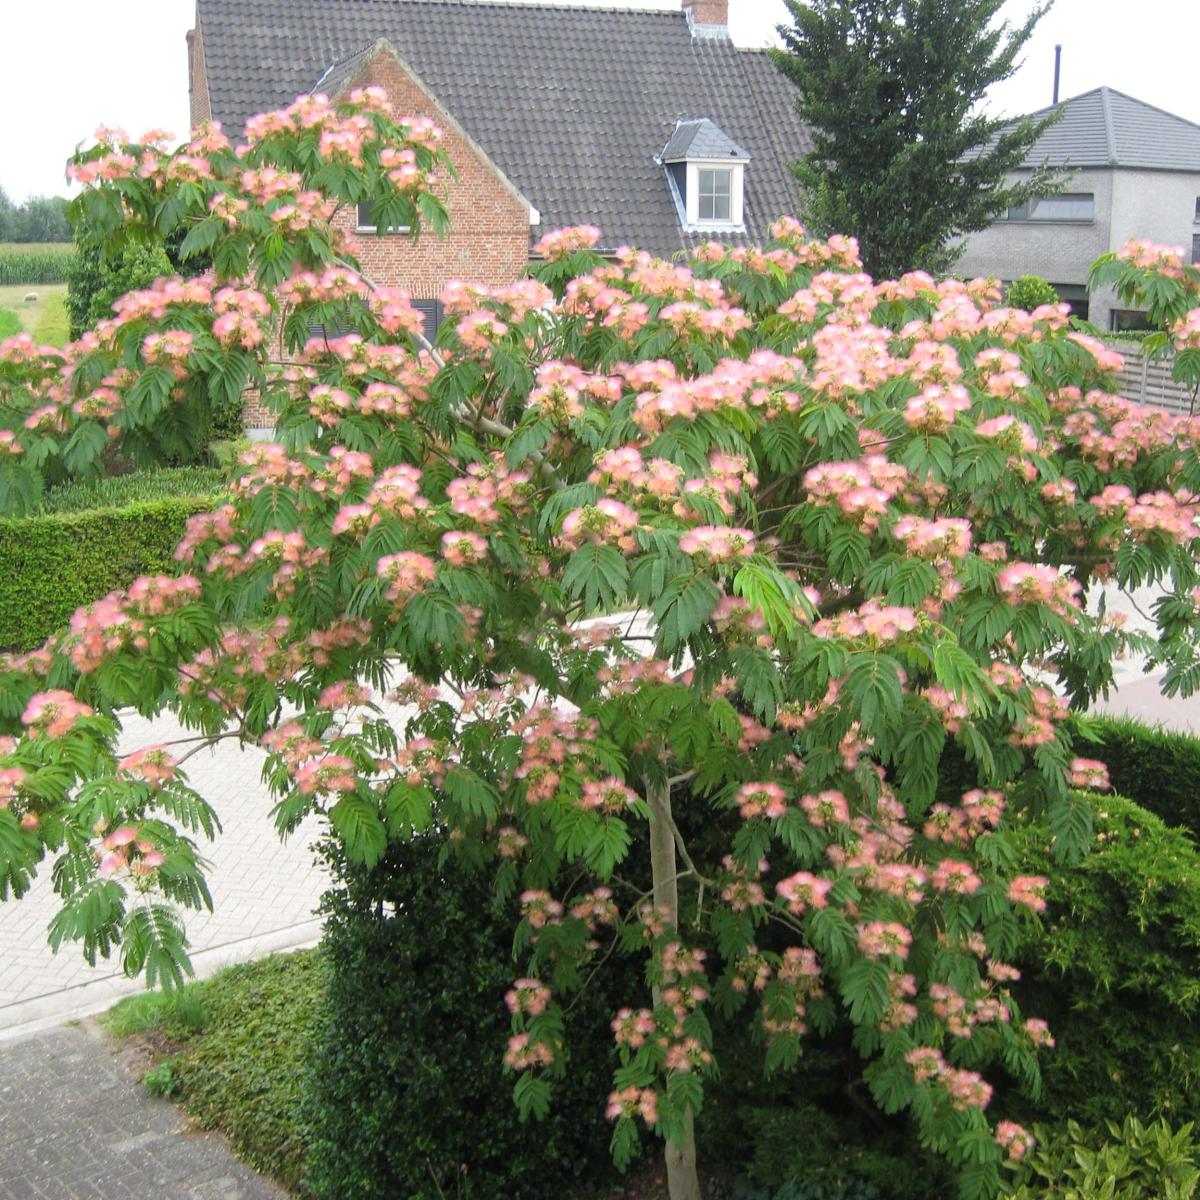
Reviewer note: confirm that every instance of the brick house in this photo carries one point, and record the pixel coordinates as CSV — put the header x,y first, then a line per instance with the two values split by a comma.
x,y
651,126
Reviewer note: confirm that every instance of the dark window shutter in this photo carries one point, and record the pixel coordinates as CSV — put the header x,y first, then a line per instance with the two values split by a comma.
x,y
433,312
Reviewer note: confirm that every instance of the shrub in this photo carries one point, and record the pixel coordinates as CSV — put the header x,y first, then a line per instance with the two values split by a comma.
x,y
95,281
35,262
52,564
140,486
1115,971
1133,1162
1157,768
1030,292
408,1098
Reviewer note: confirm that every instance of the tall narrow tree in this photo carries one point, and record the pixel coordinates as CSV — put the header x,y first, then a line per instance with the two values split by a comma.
x,y
902,157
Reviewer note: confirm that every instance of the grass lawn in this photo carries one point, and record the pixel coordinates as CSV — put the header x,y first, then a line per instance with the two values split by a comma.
x,y
45,319
231,1050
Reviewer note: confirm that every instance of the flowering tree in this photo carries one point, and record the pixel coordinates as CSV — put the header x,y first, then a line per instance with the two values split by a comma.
x,y
753,526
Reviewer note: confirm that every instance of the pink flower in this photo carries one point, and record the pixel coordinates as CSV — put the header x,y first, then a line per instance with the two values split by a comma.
x,y
1028,891
1014,1140
803,891
528,996
53,713
1088,773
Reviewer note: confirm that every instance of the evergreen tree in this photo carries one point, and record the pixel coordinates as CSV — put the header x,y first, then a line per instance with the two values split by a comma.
x,y
902,158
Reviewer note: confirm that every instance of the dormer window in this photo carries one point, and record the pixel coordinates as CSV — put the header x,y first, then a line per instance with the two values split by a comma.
x,y
715,194
706,174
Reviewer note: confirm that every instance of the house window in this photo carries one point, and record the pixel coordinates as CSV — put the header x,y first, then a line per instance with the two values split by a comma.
x,y
1198,210
1128,320
433,313
715,194
1196,247
367,220
1070,206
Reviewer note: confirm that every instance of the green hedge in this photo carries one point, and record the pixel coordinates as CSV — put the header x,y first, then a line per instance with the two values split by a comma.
x,y
138,487
52,564
1157,768
408,1099
1115,970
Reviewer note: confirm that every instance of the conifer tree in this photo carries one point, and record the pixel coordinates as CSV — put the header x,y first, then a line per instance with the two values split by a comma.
x,y
902,157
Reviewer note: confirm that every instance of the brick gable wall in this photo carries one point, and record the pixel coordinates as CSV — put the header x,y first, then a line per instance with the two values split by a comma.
x,y
488,240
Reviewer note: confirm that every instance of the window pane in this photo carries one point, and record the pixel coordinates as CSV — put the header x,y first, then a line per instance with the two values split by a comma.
x,y
1198,210
1196,247
1072,206
365,220
715,193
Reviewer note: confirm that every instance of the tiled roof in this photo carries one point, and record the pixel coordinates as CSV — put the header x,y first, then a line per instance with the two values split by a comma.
x,y
572,104
1106,128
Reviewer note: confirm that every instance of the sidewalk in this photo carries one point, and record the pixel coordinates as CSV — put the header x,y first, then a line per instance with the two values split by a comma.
x,y
264,895
76,1125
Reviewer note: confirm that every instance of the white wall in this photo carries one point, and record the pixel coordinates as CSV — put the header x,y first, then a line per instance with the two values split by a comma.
x,y
1156,206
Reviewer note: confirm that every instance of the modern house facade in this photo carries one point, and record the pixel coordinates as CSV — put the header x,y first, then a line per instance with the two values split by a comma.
x,y
652,126
1134,172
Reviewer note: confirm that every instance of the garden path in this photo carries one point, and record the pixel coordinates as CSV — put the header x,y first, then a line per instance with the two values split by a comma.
x,y
75,1125
264,893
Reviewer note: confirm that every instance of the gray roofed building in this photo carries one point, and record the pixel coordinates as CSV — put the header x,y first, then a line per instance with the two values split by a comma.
x,y
572,105
1133,172
1107,128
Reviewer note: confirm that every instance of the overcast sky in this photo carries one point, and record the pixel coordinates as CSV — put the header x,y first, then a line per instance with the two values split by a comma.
x,y
68,65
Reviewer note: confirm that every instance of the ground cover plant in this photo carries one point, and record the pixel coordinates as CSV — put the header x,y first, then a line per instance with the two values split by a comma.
x,y
232,1051
857,518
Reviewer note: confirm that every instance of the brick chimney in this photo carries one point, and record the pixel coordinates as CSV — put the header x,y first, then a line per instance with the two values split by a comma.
x,y
708,17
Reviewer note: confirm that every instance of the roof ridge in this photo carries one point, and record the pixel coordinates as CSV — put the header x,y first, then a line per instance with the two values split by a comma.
x,y
561,6
1166,112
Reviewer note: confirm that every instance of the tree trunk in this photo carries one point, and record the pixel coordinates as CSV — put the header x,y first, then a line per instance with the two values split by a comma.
x,y
683,1183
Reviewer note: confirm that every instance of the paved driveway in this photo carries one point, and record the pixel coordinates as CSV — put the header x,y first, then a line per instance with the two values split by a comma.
x,y
75,1125
264,895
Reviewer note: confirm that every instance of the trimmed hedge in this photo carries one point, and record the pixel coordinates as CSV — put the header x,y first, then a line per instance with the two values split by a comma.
x,y
1156,768
1115,970
50,565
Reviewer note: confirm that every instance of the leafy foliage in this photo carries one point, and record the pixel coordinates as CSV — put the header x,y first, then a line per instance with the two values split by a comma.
x,y
1129,1161
1030,292
1115,970
50,565
409,1004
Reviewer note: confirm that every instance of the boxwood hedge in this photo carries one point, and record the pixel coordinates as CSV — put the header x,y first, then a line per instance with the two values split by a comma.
x,y
52,564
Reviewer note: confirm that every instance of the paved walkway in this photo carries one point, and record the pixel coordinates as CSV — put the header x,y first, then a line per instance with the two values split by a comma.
x,y
75,1125
264,895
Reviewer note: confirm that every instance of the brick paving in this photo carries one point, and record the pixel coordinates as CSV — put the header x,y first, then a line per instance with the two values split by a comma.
x,y
75,1125
264,894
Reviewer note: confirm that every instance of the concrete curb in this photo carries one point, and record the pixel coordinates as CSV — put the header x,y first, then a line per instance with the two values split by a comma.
x,y
86,999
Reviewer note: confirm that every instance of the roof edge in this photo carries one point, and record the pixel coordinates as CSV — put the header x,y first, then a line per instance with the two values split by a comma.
x,y
383,45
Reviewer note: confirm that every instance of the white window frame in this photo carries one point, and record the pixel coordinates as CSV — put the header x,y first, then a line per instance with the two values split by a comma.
x,y
359,227
737,180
